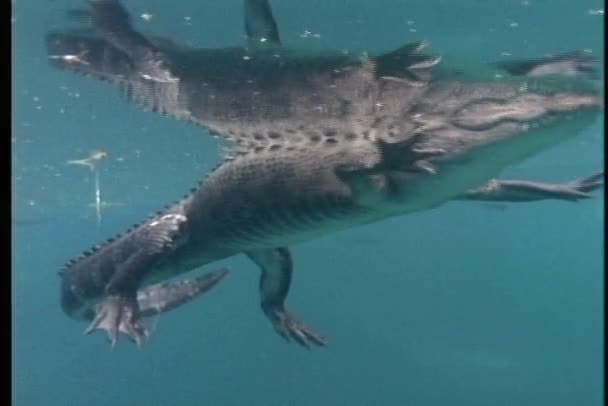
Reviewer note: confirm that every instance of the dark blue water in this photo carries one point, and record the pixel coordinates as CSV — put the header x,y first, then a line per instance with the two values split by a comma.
x,y
463,305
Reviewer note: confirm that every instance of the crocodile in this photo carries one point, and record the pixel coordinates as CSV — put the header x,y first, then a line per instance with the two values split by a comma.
x,y
314,143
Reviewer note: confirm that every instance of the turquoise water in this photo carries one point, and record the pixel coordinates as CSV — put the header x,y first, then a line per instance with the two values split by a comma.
x,y
468,304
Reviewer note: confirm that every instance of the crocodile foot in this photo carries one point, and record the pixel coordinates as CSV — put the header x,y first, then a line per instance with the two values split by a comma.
x,y
290,328
577,189
119,314
587,184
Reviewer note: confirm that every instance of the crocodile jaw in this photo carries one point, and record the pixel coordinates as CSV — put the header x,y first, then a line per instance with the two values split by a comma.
x,y
497,147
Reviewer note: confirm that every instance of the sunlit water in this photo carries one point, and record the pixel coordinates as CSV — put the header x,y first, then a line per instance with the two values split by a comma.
x,y
468,304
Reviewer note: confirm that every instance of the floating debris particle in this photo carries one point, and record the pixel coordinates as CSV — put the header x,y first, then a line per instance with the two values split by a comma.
x,y
91,161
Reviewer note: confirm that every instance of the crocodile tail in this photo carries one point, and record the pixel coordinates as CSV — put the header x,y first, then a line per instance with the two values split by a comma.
x,y
166,296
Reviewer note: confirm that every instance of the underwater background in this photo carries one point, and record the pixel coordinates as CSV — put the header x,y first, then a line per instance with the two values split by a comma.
x,y
468,304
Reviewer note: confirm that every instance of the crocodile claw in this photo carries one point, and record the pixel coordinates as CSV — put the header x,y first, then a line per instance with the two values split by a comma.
x,y
119,314
580,188
588,184
292,329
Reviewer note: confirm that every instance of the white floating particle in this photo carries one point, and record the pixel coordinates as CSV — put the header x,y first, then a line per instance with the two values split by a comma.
x,y
246,58
598,12
146,16
514,24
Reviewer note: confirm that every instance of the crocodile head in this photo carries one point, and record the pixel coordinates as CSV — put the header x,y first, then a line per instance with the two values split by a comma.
x,y
462,133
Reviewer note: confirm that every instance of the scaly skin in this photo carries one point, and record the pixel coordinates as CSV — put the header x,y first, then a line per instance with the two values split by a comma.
x,y
316,144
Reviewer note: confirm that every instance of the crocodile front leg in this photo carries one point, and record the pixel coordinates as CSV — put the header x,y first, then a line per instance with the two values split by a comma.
x,y
527,191
276,266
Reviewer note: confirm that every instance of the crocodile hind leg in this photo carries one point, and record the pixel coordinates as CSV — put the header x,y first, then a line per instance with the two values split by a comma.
x,y
527,191
120,314
119,310
112,20
260,24
117,313
133,260
277,266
